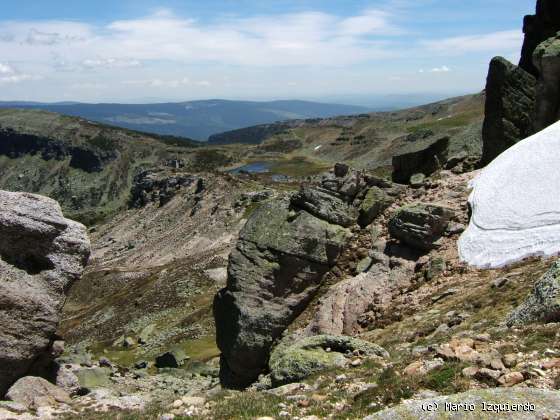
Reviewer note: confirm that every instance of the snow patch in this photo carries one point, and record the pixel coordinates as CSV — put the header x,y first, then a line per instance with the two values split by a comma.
x,y
515,204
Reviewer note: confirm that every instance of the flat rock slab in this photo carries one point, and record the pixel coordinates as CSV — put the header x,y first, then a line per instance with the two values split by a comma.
x,y
515,204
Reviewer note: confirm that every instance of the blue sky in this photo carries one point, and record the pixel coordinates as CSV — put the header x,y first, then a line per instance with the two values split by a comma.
x,y
129,51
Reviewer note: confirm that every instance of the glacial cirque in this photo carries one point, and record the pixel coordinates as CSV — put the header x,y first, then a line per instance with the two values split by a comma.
x,y
516,204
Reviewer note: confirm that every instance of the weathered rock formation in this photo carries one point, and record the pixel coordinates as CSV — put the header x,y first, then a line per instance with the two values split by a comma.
x,y
425,159
160,187
523,100
538,28
274,271
547,61
420,225
356,303
543,304
510,103
91,158
294,362
42,254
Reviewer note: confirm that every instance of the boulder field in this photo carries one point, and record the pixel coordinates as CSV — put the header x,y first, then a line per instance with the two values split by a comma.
x,y
41,255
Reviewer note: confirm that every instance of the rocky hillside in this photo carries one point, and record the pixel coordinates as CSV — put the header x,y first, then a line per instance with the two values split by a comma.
x,y
88,167
368,140
339,293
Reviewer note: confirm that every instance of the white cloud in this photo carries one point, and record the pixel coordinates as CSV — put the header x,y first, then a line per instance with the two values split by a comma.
x,y
492,42
10,75
110,63
442,69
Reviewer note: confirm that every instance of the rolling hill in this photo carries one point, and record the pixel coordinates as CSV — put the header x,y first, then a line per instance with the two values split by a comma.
x,y
195,119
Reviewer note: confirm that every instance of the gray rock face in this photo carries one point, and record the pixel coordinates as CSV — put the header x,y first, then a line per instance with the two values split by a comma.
x,y
547,60
292,363
33,392
273,273
375,202
546,405
42,254
425,159
543,304
324,205
509,110
538,28
420,225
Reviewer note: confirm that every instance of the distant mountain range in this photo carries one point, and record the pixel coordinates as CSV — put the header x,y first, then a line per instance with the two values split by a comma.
x,y
196,119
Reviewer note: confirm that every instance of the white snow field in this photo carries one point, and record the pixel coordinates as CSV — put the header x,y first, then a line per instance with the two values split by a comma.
x,y
516,204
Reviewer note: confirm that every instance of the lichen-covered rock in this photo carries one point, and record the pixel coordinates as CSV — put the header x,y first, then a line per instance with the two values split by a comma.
x,y
374,203
543,304
292,363
34,392
509,109
42,254
547,60
324,205
95,377
494,403
273,273
420,225
423,158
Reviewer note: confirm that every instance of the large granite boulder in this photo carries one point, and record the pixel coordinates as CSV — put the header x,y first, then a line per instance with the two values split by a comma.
x,y
41,255
294,362
547,60
488,404
543,304
273,273
424,158
419,225
538,28
33,392
509,110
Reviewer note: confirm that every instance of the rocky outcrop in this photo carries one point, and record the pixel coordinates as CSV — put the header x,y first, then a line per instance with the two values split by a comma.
x,y
42,254
356,303
493,403
547,61
160,187
543,304
375,202
273,273
516,106
538,28
509,110
292,363
420,226
87,158
324,205
424,158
